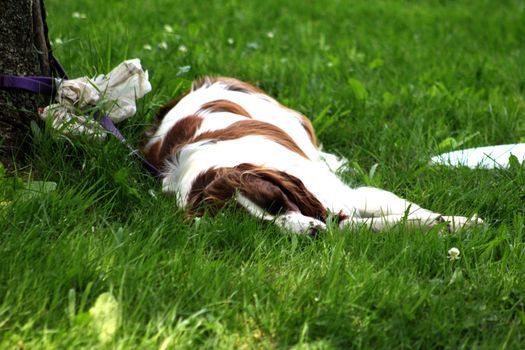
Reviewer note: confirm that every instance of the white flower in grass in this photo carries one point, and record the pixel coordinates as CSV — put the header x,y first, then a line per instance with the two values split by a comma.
x,y
230,41
270,34
183,70
168,28
183,48
58,41
163,45
253,45
147,47
453,254
78,15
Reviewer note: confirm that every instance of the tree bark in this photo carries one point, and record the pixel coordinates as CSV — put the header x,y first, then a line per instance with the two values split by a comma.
x,y
24,50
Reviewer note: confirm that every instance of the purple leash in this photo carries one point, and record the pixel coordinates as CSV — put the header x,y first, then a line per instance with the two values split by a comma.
x,y
108,124
39,85
46,86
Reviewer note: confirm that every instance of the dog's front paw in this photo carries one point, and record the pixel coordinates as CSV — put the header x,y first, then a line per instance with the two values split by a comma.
x,y
298,223
456,223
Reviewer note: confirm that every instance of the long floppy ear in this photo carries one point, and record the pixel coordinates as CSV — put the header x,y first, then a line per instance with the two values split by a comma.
x,y
212,189
262,198
272,191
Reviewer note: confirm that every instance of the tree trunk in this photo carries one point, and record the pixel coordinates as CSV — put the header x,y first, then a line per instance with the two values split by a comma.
x,y
24,50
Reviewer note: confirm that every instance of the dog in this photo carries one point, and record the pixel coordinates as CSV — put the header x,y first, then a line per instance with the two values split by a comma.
x,y
228,141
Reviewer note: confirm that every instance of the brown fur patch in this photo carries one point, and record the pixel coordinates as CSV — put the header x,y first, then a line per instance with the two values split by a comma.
x,y
274,191
179,135
224,106
252,127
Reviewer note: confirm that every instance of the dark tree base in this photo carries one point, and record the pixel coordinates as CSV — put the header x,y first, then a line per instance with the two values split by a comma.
x,y
25,51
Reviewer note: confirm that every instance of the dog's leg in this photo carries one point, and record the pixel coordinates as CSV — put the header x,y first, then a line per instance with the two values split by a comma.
x,y
376,224
384,222
380,209
374,202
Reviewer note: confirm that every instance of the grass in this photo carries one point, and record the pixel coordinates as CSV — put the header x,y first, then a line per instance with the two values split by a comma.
x,y
385,82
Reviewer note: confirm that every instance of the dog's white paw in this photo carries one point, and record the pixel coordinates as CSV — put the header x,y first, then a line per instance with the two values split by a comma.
x,y
298,223
456,223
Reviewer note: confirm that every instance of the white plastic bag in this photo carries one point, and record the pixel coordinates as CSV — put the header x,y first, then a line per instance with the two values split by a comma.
x,y
115,93
488,157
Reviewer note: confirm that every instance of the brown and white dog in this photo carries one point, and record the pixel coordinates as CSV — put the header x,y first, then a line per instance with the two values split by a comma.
x,y
226,140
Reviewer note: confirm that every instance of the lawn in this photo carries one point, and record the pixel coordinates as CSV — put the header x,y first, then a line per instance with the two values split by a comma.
x,y
93,255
